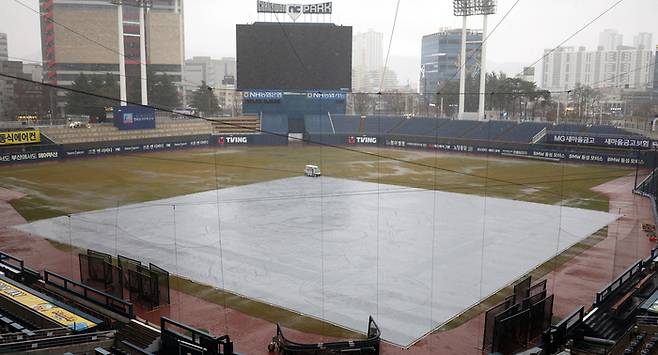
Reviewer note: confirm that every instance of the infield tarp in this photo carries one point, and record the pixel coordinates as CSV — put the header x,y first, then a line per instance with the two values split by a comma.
x,y
357,248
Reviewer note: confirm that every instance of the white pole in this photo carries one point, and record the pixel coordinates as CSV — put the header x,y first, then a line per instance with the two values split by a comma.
x,y
557,115
142,56
483,69
122,58
181,24
441,106
462,73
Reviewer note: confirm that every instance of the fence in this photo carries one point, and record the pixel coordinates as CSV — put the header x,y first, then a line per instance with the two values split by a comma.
x,y
178,338
91,294
97,270
15,268
149,285
519,319
632,271
368,346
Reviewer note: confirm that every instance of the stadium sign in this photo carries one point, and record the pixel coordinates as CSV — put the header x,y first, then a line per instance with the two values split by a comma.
x,y
337,96
134,117
262,95
20,137
601,141
294,10
361,140
232,140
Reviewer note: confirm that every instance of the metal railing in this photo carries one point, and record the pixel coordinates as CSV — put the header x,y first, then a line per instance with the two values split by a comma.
x,y
91,294
56,341
603,295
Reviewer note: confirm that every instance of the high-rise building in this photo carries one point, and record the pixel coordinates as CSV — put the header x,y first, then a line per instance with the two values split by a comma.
x,y
367,60
440,60
88,40
212,71
219,74
566,67
623,67
4,51
368,51
643,40
655,71
610,39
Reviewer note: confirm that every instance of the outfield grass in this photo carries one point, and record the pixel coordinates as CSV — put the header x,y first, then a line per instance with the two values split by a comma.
x,y
59,188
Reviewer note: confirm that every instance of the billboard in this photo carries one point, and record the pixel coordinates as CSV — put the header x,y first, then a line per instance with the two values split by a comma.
x,y
294,56
134,117
44,307
20,137
631,142
294,10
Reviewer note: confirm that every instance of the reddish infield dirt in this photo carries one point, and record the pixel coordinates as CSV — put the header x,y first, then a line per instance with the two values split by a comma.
x,y
574,283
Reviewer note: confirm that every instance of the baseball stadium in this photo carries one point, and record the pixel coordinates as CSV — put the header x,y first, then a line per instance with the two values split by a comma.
x,y
301,226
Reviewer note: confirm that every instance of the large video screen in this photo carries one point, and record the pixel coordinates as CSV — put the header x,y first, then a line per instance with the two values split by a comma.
x,y
288,56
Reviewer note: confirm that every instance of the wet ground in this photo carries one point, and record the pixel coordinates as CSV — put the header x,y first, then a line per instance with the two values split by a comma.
x,y
574,283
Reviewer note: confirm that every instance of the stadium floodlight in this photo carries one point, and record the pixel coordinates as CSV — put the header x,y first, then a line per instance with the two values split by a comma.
x,y
474,7
465,8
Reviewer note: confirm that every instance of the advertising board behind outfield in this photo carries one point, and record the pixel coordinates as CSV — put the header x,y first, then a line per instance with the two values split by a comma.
x,y
20,137
133,117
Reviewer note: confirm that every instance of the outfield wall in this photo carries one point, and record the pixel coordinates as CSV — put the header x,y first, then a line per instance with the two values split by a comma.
x,y
527,151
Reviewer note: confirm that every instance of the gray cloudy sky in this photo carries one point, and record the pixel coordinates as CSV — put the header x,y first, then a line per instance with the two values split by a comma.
x,y
530,28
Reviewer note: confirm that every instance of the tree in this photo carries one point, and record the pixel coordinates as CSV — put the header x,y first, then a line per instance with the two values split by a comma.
x,y
77,100
205,100
162,92
363,104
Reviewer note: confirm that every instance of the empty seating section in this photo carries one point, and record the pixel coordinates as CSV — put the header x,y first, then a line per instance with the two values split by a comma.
x,y
523,133
489,130
274,123
568,127
456,129
242,124
109,133
380,125
344,124
608,130
317,124
419,126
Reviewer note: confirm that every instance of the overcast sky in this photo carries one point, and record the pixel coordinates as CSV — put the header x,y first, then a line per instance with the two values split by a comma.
x,y
520,40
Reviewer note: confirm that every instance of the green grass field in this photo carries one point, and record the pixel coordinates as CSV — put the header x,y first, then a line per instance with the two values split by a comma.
x,y
58,188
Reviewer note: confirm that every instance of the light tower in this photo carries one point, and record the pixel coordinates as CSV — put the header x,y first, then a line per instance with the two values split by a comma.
x,y
465,8
143,5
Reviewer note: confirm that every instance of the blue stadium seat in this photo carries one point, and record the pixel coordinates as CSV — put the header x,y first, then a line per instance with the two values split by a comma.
x,y
456,129
419,126
489,130
604,129
274,123
568,127
523,132
381,124
344,124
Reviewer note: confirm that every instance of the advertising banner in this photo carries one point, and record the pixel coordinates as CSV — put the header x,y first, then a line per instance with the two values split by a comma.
x,y
44,307
74,151
134,117
19,157
600,141
543,154
294,10
20,137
